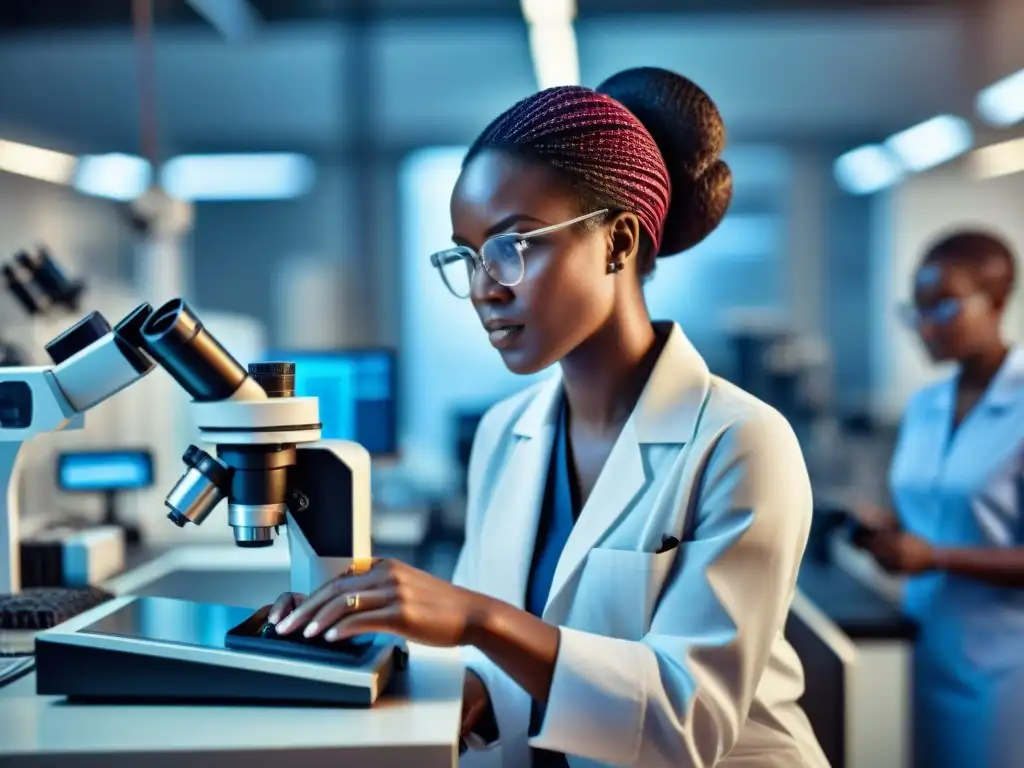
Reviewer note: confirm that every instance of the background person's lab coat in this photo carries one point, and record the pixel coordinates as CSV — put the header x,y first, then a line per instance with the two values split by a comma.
x,y
964,489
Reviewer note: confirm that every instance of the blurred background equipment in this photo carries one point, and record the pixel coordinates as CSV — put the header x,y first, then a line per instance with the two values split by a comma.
x,y
39,284
108,473
357,389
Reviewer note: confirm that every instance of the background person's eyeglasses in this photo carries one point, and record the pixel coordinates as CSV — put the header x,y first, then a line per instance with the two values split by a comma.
x,y
943,312
500,255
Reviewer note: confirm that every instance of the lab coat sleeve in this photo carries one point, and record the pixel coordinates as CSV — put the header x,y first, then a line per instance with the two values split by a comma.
x,y
680,696
467,568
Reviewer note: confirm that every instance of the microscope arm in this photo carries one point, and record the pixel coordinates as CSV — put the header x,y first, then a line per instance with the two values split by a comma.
x,y
10,466
92,362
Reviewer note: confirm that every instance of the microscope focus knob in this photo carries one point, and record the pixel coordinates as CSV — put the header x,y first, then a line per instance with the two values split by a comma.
x,y
277,379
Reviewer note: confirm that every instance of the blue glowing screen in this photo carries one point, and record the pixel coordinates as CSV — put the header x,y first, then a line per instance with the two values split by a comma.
x,y
98,471
356,389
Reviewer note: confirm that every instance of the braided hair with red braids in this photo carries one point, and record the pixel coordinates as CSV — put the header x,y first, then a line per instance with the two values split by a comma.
x,y
647,141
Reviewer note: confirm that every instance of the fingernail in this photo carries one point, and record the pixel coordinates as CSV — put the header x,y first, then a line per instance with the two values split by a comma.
x,y
331,635
285,624
311,629
273,618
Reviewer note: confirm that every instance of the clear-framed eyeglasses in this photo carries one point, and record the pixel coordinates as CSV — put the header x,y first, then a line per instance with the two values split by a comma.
x,y
942,312
502,257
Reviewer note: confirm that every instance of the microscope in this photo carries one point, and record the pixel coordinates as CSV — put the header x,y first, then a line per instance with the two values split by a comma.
x,y
39,286
272,469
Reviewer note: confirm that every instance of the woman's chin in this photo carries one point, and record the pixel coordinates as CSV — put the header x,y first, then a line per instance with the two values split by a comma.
x,y
521,362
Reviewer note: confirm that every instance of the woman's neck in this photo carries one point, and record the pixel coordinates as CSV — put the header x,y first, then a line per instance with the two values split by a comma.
x,y
977,371
604,376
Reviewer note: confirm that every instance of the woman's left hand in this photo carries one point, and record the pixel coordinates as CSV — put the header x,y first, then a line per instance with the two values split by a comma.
x,y
900,552
392,598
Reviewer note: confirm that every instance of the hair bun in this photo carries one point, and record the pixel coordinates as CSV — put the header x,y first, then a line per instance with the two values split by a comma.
x,y
690,134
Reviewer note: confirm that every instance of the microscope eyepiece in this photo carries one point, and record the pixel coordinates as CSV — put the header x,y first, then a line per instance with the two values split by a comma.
x,y
176,338
94,362
277,379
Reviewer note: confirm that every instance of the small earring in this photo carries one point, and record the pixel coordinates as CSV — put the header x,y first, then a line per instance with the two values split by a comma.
x,y
615,266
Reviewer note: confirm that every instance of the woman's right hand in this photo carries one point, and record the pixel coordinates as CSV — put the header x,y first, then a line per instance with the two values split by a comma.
x,y
875,519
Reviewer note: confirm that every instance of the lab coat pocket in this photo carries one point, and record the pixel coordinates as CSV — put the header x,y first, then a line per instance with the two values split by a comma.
x,y
617,591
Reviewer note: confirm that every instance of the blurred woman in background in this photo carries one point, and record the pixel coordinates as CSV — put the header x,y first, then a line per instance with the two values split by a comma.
x,y
957,480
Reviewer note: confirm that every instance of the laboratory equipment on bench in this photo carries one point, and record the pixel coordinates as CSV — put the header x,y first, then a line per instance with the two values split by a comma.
x,y
39,284
40,287
271,468
109,473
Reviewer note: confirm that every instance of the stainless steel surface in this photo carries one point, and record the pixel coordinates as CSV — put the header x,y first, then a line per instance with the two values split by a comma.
x,y
194,497
171,621
252,589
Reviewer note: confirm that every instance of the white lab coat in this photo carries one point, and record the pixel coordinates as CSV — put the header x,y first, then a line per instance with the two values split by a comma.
x,y
665,660
966,492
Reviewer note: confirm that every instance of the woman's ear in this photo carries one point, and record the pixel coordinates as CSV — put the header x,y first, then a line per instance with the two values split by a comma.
x,y
624,240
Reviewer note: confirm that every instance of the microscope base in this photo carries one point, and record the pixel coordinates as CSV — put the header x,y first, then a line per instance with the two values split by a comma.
x,y
151,649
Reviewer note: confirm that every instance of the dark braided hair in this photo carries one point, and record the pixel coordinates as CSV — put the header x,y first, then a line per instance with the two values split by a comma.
x,y
646,141
989,254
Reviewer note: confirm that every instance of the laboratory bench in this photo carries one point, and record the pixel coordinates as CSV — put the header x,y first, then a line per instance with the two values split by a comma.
x,y
416,721
853,641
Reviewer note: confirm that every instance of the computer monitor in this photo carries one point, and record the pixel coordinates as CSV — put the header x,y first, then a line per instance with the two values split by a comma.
x,y
104,471
357,390
107,472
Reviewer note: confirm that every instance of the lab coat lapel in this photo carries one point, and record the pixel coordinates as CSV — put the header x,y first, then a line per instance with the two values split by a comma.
x,y
516,502
667,412
974,437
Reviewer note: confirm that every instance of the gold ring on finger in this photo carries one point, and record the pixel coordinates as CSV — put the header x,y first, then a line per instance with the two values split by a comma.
x,y
352,601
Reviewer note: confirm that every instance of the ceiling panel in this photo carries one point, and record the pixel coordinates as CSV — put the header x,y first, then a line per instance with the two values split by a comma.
x,y
864,75
432,81
285,89
446,79
18,16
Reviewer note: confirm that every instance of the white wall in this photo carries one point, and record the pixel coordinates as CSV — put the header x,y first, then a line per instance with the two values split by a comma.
x,y
909,218
88,238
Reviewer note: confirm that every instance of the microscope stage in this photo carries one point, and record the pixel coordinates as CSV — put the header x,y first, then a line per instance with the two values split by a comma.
x,y
163,650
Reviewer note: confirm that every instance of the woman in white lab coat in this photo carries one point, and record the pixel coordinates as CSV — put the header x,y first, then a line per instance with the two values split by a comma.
x,y
635,524
958,534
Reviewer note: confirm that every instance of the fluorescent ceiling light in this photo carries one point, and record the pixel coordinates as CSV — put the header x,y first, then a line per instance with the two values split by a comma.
x,y
37,163
1000,159
555,56
1002,103
270,176
867,169
553,47
542,11
114,176
932,142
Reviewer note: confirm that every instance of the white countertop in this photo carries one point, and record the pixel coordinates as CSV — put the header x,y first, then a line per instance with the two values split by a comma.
x,y
415,723
421,722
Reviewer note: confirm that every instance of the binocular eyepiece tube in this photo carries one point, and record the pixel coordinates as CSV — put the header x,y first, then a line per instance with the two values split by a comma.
x,y
253,478
178,341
